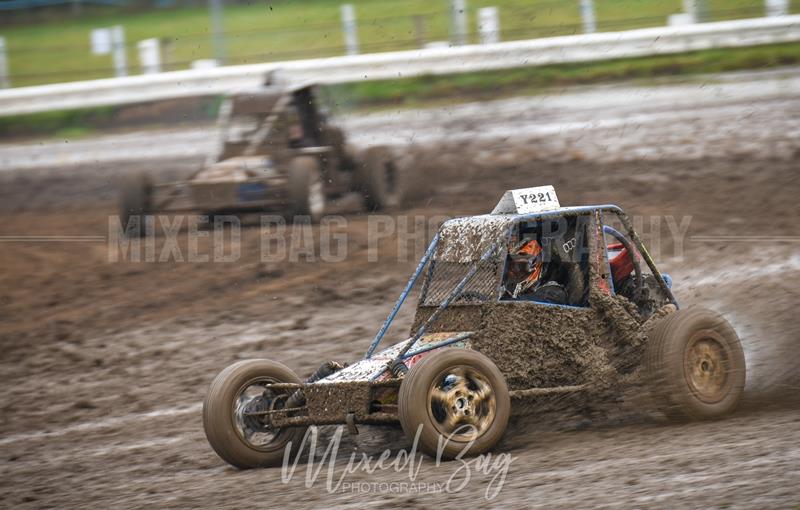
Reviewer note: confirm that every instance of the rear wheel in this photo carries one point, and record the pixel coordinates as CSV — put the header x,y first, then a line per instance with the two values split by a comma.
x,y
134,203
696,365
306,188
235,430
457,400
377,179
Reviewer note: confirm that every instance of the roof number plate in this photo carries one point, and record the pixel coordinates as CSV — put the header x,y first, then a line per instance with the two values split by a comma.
x,y
531,200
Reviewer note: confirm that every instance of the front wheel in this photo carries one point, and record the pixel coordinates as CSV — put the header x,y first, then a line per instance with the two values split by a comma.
x,y
377,178
234,428
306,188
695,364
135,202
457,401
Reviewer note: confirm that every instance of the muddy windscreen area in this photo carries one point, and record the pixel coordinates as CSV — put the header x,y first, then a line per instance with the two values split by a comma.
x,y
462,244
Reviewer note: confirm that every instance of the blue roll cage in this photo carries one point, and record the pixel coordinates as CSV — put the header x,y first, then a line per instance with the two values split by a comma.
x,y
453,295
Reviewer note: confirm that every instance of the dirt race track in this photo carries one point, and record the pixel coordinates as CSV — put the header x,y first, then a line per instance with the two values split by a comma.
x,y
105,365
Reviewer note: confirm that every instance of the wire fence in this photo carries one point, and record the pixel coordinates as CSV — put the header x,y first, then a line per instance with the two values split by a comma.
x,y
51,62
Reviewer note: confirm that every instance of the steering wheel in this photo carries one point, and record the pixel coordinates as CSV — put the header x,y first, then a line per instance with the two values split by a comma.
x,y
637,268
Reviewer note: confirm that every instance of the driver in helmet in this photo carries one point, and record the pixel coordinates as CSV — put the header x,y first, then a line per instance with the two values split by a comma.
x,y
528,275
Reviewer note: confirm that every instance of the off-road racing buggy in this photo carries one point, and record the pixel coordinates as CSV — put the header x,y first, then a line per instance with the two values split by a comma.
x,y
483,337
277,153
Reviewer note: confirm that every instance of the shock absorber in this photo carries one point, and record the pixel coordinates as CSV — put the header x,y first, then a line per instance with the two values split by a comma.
x,y
298,399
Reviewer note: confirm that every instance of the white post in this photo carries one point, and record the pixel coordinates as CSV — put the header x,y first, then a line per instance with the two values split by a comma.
x,y
205,63
215,9
5,79
150,56
118,44
587,14
680,19
489,25
458,19
697,9
690,8
350,29
777,7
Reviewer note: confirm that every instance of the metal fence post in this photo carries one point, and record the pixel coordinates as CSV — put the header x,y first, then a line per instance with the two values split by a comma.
x,y
119,55
217,31
458,22
5,79
489,25
350,29
587,14
698,9
777,7
150,55
419,30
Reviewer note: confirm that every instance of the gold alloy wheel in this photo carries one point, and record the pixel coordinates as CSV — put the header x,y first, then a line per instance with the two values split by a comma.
x,y
695,365
462,403
706,366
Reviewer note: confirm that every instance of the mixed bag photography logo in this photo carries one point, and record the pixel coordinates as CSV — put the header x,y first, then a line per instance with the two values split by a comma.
x,y
409,471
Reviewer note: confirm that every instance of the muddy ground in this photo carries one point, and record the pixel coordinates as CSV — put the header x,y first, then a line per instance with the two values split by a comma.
x,y
105,364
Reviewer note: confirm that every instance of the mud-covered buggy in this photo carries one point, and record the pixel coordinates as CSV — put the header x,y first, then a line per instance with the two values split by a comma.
x,y
483,338
277,153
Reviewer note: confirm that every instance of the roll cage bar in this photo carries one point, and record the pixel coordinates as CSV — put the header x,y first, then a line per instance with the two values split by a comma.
x,y
453,295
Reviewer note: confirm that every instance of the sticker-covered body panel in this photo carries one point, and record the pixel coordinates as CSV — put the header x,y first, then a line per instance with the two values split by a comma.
x,y
375,367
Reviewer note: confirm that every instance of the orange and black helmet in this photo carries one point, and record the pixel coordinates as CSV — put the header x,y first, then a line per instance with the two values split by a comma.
x,y
527,255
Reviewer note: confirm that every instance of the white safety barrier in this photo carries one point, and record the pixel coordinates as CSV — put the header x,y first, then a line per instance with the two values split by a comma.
x,y
400,64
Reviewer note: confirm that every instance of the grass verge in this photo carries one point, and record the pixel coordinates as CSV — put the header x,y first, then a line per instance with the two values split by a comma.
x,y
419,91
532,80
276,30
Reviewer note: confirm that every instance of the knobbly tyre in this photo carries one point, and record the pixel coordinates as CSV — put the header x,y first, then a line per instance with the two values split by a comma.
x,y
532,299
278,153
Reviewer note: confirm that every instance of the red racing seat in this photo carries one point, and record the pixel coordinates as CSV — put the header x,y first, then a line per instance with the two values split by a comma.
x,y
621,264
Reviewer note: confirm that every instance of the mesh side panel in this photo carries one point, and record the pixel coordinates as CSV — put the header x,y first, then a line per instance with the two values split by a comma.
x,y
446,275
